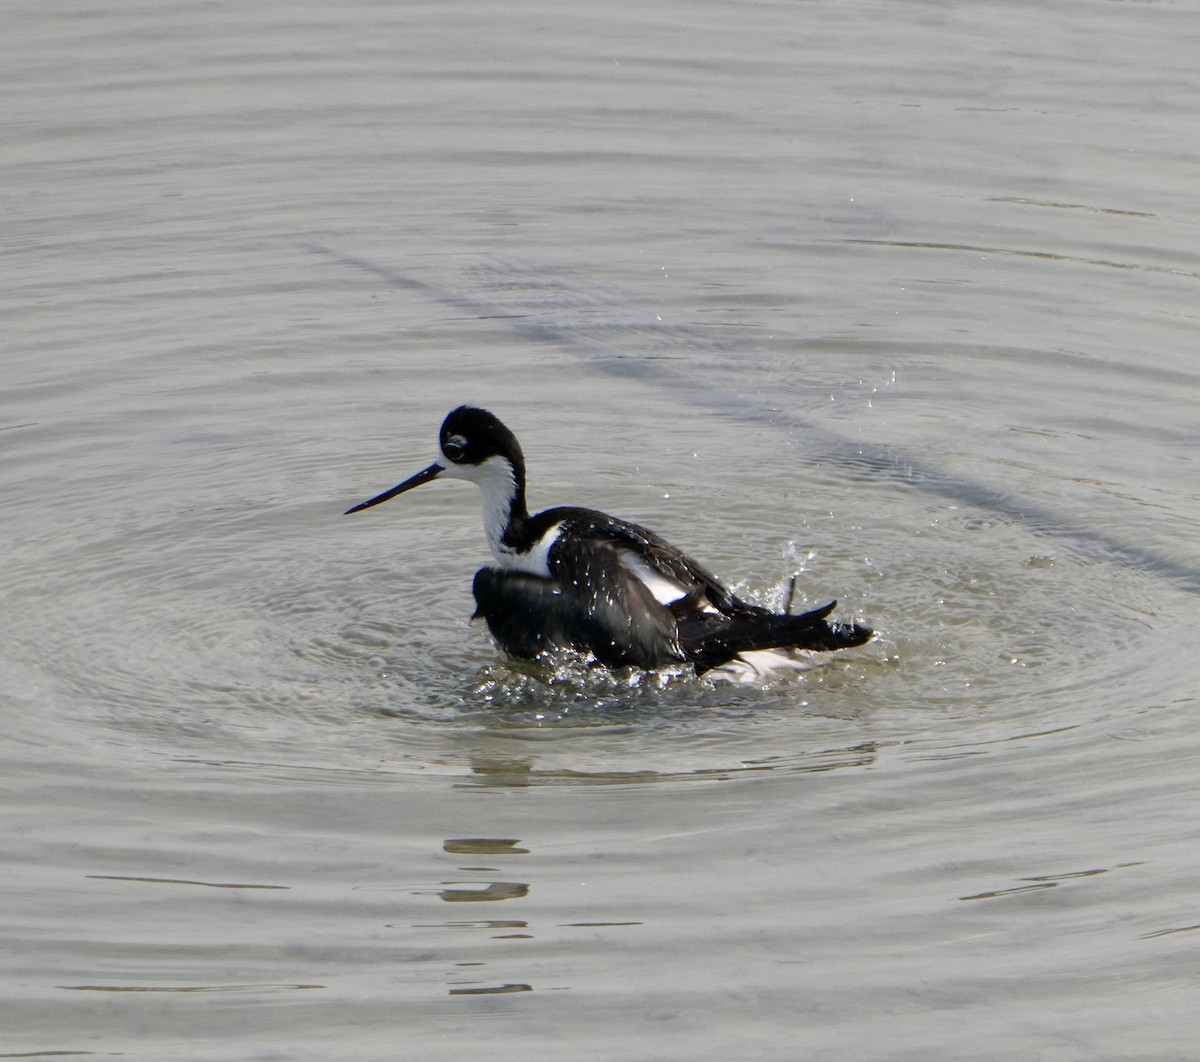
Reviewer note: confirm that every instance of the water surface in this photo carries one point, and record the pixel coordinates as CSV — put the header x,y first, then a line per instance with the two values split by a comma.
x,y
899,297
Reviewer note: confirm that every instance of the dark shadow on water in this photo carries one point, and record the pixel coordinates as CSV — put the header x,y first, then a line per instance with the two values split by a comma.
x,y
624,352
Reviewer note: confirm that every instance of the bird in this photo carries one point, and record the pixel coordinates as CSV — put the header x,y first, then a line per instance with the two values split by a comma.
x,y
573,578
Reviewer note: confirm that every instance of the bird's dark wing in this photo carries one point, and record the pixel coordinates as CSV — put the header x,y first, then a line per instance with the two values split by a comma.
x,y
651,549
599,608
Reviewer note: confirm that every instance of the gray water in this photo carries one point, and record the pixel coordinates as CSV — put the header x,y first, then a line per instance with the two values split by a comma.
x,y
899,296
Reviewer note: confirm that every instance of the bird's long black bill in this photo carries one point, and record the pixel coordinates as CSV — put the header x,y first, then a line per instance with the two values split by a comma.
x,y
426,475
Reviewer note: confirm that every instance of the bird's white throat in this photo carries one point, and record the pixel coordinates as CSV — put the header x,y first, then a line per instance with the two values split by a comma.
x,y
497,483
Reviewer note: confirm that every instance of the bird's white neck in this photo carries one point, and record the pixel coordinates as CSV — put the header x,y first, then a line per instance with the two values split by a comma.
x,y
498,486
504,515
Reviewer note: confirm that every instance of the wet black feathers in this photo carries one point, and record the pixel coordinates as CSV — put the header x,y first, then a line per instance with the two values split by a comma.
x,y
594,604
600,609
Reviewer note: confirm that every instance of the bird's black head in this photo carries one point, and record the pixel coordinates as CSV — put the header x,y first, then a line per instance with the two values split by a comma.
x,y
471,436
473,444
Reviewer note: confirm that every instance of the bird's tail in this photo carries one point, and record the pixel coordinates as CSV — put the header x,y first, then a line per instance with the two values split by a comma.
x,y
711,645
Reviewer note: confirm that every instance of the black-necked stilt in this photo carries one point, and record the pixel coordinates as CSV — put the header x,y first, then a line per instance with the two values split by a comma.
x,y
572,578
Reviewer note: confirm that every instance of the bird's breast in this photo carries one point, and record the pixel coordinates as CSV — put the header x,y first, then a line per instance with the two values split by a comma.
x,y
535,560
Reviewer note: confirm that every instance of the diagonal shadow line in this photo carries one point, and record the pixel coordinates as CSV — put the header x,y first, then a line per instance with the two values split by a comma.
x,y
863,462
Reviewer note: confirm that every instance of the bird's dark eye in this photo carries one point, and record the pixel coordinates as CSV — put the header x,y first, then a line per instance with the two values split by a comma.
x,y
455,447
